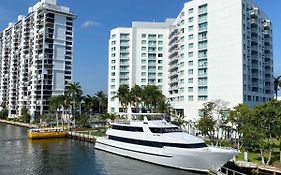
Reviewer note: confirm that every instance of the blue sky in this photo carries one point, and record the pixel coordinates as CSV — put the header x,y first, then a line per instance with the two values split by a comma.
x,y
97,17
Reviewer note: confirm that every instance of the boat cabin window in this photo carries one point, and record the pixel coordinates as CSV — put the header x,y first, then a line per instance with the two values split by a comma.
x,y
157,144
128,128
165,130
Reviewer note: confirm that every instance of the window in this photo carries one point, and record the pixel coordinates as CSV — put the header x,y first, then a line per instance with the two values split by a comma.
x,y
202,45
190,72
160,36
190,89
202,90
143,74
113,55
182,47
143,41
160,55
202,18
113,61
160,61
160,48
143,48
160,68
160,74
143,67
160,42
190,46
190,28
113,42
113,36
190,80
202,36
143,80
190,63
190,11
202,9
143,35
127,128
143,61
190,37
202,98
190,98
203,26
143,55
190,54
159,80
190,19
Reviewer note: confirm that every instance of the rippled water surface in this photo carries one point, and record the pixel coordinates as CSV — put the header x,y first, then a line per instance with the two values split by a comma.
x,y
19,156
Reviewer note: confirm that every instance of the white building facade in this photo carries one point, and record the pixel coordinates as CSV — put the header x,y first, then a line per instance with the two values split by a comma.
x,y
215,50
220,50
137,55
36,58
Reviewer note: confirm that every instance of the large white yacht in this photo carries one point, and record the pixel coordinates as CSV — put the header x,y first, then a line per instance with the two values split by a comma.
x,y
162,143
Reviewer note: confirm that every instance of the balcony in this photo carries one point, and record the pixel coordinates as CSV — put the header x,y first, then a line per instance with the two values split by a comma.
x,y
254,48
267,24
254,39
254,12
254,30
173,61
255,84
255,75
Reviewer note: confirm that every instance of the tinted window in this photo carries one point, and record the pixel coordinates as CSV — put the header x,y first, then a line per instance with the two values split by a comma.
x,y
127,128
165,130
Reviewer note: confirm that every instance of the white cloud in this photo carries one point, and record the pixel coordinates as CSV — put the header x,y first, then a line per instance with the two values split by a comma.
x,y
90,23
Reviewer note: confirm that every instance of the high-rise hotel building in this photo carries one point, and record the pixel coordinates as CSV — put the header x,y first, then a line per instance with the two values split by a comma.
x,y
215,50
36,58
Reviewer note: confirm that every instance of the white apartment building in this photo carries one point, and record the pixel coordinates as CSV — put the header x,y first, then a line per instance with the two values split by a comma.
x,y
36,56
220,50
138,55
215,50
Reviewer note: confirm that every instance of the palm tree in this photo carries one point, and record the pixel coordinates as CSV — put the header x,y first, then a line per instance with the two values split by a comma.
x,y
277,84
135,97
54,105
91,103
164,107
123,96
151,96
102,99
74,92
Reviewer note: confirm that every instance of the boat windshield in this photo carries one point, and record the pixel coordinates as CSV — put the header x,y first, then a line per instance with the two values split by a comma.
x,y
165,130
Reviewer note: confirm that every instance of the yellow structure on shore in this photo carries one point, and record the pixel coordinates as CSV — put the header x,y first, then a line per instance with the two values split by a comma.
x,y
43,133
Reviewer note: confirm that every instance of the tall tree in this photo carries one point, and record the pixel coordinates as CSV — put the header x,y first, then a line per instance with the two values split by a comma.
x,y
55,105
277,85
238,117
74,92
91,104
123,96
151,96
135,97
102,101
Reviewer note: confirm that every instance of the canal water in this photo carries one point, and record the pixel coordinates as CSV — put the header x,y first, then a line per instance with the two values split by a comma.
x,y
20,156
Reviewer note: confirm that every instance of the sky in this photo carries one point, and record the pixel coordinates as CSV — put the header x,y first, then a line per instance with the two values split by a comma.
x,y
95,19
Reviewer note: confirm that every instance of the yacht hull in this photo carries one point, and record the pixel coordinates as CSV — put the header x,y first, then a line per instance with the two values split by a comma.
x,y
202,159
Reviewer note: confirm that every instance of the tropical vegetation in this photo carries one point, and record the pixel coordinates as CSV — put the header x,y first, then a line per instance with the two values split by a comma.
x,y
256,130
143,99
